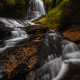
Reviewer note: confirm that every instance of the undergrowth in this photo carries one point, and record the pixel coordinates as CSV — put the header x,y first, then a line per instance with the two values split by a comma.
x,y
66,13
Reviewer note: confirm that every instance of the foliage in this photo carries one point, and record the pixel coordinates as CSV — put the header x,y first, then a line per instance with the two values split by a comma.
x,y
58,1
49,4
66,13
19,5
43,20
10,2
12,7
52,3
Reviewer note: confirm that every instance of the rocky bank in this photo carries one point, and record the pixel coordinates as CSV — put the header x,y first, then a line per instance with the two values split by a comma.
x,y
73,34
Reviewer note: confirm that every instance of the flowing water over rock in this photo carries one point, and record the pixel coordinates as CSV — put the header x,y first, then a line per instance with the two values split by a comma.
x,y
36,9
46,58
47,64
17,34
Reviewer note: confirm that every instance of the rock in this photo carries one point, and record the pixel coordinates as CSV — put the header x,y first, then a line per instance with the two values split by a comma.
x,y
36,29
29,55
73,34
4,31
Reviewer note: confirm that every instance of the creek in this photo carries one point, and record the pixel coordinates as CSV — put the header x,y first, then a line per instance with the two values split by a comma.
x,y
45,58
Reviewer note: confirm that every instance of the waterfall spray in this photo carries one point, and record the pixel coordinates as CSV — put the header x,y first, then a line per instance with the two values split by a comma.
x,y
36,9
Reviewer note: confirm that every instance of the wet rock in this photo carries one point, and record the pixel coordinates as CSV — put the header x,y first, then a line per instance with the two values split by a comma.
x,y
30,54
4,31
36,29
73,34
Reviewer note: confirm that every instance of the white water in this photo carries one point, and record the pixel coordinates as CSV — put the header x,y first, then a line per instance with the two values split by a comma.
x,y
71,47
71,55
53,68
36,9
17,34
56,69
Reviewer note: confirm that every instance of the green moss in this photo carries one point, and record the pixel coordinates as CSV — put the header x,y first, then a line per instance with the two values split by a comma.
x,y
67,12
42,20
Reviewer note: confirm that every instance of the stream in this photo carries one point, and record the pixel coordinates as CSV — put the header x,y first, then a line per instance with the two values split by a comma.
x,y
43,57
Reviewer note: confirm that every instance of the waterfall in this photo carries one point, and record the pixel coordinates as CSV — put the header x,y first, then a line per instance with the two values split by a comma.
x,y
17,34
56,68
36,9
71,47
70,51
56,65
50,69
71,55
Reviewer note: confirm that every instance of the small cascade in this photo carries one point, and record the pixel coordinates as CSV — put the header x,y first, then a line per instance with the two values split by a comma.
x,y
17,34
48,71
70,51
11,23
71,47
56,68
59,52
70,55
36,9
51,69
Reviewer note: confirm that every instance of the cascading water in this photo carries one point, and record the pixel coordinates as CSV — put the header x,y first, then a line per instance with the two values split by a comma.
x,y
36,9
70,54
55,65
56,68
16,35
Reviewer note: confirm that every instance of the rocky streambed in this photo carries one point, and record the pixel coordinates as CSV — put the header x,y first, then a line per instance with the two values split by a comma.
x,y
34,58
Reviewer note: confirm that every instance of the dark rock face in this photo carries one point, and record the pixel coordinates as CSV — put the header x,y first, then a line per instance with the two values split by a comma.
x,y
4,31
36,29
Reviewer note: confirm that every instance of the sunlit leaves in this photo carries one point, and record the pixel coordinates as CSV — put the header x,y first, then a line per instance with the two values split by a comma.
x,y
19,58
10,2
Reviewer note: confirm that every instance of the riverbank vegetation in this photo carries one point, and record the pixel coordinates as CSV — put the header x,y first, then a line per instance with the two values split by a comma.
x,y
12,8
66,13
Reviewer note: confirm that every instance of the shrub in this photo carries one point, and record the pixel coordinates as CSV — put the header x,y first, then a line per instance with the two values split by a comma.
x,y
10,2
52,3
66,13
19,6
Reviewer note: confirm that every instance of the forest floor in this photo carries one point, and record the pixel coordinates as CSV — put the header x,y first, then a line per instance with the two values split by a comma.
x,y
73,34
